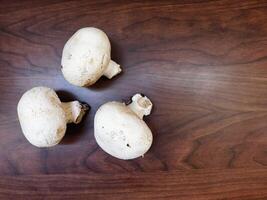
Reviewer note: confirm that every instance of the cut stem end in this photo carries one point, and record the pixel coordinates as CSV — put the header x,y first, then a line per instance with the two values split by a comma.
x,y
140,105
75,111
112,70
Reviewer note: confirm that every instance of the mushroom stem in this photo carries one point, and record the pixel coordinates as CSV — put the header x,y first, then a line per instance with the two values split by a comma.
x,y
140,105
112,69
74,111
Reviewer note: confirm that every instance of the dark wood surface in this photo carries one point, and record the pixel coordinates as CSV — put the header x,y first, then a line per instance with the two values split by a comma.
x,y
202,63
183,185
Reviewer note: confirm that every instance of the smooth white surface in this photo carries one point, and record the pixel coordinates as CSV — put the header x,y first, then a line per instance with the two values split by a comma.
x,y
120,132
41,117
86,56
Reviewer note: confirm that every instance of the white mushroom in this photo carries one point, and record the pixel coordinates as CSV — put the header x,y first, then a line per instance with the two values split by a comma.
x,y
43,117
86,57
120,130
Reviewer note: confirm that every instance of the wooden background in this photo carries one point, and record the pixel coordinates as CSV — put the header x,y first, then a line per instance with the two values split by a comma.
x,y
202,63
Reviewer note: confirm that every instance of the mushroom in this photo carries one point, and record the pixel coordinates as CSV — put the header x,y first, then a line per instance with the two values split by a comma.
x,y
43,117
86,57
119,129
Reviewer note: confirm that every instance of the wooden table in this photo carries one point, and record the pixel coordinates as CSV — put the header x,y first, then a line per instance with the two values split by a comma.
x,y
202,63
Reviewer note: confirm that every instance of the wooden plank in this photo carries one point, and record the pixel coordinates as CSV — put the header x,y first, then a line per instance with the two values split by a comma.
x,y
243,184
202,63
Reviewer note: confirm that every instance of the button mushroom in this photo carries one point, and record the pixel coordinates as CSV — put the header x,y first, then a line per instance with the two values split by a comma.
x,y
120,130
86,57
43,117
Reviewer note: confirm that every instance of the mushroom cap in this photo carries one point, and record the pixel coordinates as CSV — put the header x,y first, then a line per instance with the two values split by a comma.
x,y
41,117
120,132
85,56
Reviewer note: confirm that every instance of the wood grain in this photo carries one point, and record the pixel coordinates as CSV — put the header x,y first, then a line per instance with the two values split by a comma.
x,y
202,63
193,184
